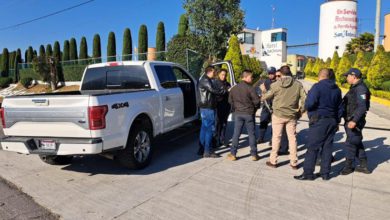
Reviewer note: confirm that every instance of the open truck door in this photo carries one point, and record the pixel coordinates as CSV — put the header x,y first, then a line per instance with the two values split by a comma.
x,y
230,76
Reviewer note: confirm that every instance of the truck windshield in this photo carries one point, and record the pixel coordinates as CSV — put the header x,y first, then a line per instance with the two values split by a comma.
x,y
115,77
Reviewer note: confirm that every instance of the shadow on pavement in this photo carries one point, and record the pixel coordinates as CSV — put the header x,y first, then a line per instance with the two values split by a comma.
x,y
170,151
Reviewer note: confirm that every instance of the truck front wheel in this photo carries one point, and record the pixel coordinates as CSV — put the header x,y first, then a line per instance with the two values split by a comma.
x,y
138,151
56,160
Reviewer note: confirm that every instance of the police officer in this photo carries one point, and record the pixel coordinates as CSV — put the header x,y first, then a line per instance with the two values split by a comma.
x,y
324,106
357,103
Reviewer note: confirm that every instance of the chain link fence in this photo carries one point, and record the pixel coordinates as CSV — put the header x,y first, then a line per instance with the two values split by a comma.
x,y
72,70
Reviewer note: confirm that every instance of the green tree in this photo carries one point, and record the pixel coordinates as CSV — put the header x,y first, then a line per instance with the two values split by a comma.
x,y
362,63
65,53
49,50
57,58
111,47
160,41
319,64
97,50
256,67
11,62
5,63
142,42
344,65
335,61
35,53
214,21
234,55
309,67
73,50
327,63
18,60
83,51
246,62
42,52
30,54
183,25
127,47
379,70
183,48
364,43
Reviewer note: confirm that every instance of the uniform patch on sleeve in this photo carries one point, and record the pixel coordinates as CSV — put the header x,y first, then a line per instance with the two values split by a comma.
x,y
363,96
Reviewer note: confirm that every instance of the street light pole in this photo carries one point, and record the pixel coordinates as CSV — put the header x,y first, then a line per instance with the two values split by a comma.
x,y
377,24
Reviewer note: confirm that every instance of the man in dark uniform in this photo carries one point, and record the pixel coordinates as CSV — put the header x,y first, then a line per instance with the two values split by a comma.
x,y
324,106
265,115
357,103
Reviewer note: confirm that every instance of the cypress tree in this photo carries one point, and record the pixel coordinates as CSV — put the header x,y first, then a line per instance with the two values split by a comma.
x,y
97,51
65,53
5,63
30,54
11,61
344,65
160,41
379,70
142,42
234,55
327,63
25,56
309,67
42,52
83,51
111,47
73,50
57,57
35,53
335,61
49,50
18,60
183,25
361,63
127,45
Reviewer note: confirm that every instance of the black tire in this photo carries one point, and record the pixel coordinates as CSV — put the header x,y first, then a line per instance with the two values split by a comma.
x,y
132,158
56,160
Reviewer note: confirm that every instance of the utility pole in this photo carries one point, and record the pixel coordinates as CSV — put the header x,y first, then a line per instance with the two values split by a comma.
x,y
377,24
273,17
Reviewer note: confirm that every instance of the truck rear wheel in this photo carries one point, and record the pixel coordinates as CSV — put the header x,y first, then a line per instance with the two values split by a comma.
x,y
56,160
138,151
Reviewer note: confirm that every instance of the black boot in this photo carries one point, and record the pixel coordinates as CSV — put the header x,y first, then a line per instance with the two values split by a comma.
x,y
348,168
362,167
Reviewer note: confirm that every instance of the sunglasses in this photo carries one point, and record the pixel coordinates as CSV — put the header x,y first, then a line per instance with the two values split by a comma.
x,y
277,76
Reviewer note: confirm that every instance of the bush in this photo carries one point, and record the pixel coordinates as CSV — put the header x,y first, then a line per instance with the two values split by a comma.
x,y
74,72
5,81
26,82
380,94
386,86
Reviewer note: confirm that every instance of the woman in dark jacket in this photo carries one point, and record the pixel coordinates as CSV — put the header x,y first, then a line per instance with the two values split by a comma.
x,y
223,108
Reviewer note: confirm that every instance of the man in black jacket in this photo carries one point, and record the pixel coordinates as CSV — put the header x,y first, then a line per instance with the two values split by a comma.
x,y
207,105
245,102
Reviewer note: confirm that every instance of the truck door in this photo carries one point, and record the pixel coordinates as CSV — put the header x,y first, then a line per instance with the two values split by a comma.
x,y
172,111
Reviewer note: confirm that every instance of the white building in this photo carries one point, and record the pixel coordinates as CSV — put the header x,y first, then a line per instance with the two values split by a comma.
x,y
338,25
269,46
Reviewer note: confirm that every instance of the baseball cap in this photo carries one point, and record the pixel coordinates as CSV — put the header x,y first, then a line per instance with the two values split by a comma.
x,y
271,70
353,71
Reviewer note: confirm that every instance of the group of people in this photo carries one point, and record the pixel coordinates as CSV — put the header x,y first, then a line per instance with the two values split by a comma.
x,y
283,101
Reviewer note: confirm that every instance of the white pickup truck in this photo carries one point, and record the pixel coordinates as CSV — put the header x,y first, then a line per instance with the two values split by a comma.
x,y
119,109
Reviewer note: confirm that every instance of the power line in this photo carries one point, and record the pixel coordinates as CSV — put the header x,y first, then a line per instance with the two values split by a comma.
x,y
45,16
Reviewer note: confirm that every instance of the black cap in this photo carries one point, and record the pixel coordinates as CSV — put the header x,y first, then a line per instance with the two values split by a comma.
x,y
271,70
353,71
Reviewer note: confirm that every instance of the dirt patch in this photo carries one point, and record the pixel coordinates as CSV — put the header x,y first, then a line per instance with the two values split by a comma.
x,y
69,88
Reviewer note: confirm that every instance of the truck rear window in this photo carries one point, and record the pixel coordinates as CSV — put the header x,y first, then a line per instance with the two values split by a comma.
x,y
115,77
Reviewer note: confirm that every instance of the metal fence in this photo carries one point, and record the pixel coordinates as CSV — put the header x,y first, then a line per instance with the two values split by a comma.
x,y
72,70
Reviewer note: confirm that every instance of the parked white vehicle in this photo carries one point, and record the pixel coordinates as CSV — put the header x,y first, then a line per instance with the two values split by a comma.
x,y
119,109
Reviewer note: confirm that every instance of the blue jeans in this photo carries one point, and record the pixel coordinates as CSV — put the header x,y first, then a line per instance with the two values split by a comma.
x,y
239,121
207,129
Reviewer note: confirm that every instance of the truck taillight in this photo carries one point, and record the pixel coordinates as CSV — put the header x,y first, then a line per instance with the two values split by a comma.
x,y
2,113
97,117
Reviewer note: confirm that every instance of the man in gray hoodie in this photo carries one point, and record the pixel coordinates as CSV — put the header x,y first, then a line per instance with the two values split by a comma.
x,y
288,105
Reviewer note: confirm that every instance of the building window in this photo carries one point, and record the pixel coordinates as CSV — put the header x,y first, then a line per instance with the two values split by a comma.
x,y
279,36
246,38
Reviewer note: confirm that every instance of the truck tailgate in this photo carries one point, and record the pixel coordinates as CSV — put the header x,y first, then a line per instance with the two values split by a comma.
x,y
47,116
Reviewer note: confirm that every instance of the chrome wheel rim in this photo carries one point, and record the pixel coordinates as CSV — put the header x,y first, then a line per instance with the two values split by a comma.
x,y
141,146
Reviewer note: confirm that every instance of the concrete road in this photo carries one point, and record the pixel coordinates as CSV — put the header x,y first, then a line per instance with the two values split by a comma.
x,y
180,185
